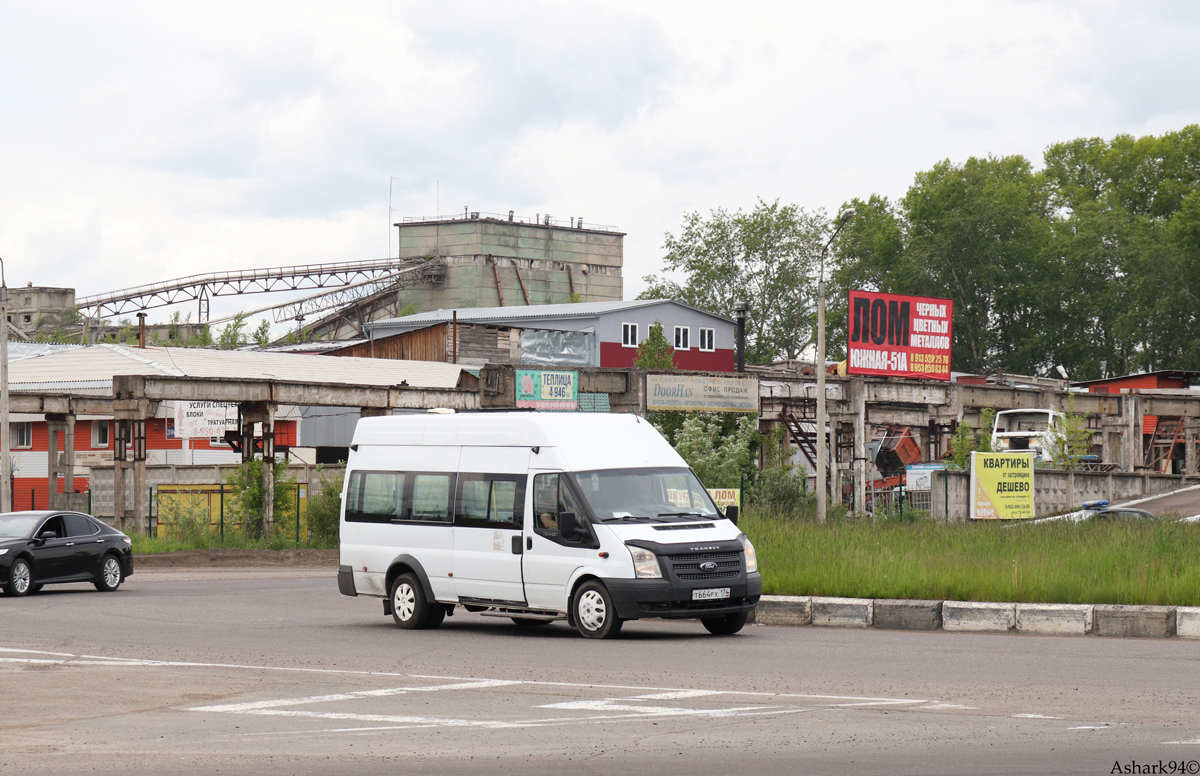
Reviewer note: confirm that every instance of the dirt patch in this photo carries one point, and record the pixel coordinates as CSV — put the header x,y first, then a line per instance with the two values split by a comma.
x,y
226,558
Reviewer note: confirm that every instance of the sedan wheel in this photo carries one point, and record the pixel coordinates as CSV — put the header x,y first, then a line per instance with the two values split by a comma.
x,y
110,575
20,578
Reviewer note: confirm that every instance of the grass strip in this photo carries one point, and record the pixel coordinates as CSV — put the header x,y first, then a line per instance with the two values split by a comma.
x,y
147,544
1153,562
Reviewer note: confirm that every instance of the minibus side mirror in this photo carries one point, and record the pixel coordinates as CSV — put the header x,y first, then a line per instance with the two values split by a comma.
x,y
731,513
569,527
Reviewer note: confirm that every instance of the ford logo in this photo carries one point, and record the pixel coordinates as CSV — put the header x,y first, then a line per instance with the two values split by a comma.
x,y
708,566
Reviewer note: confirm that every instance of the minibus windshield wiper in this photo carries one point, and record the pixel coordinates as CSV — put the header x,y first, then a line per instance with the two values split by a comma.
x,y
626,517
678,514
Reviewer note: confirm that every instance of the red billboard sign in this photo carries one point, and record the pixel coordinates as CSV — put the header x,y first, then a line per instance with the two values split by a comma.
x,y
899,336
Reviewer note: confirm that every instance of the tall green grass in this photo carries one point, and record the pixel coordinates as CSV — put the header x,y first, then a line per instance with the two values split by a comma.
x,y
1155,562
148,544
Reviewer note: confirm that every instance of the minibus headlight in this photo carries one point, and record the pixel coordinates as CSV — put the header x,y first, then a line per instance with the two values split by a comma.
x,y
645,564
751,557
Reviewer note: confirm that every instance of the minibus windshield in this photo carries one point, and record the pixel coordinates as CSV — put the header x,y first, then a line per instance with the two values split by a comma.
x,y
667,494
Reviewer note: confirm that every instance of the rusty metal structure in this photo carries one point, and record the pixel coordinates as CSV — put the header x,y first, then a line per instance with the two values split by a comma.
x,y
202,288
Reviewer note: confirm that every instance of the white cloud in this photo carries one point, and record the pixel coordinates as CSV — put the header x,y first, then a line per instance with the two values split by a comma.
x,y
147,141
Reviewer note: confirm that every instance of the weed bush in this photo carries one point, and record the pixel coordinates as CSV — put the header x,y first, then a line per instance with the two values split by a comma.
x,y
325,509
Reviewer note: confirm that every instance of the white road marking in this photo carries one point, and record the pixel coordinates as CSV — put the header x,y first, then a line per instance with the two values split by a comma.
x,y
1089,727
593,711
1193,741
943,706
1032,716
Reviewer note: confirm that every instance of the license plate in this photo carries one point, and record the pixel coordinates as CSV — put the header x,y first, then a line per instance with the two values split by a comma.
x,y
710,594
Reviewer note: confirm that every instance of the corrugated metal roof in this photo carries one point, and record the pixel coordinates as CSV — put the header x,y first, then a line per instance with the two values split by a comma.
x,y
94,367
485,314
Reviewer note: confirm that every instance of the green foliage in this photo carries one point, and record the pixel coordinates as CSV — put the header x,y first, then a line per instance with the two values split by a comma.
x,y
719,456
262,334
1069,439
234,334
765,257
187,516
965,441
575,298
325,509
408,309
655,352
777,487
245,508
1150,562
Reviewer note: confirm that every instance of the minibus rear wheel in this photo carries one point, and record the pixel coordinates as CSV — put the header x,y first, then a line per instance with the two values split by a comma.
x,y
410,610
593,611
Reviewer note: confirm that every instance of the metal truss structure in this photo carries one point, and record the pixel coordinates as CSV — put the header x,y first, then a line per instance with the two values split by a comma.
x,y
201,288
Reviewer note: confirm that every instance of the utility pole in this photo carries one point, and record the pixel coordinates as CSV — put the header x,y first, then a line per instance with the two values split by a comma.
x,y
822,421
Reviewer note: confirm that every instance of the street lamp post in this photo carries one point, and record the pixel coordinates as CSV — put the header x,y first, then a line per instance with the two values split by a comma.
x,y
821,421
6,503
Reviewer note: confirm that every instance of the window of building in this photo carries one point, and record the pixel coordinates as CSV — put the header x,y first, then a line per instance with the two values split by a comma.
x,y
100,433
629,335
682,335
22,434
28,319
707,339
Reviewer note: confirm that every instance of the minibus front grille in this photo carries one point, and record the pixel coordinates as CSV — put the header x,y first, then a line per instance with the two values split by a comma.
x,y
687,567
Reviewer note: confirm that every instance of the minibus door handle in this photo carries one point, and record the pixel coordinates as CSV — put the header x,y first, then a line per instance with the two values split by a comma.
x,y
516,544
529,542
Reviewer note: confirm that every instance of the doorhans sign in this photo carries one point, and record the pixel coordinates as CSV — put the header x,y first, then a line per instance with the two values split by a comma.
x,y
695,392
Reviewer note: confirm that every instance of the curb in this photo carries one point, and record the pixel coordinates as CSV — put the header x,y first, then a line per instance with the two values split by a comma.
x,y
1105,620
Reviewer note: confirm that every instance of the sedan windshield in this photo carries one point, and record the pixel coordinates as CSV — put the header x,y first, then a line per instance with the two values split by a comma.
x,y
666,494
17,526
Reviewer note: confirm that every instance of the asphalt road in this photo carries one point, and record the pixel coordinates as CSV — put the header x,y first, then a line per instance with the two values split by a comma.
x,y
190,672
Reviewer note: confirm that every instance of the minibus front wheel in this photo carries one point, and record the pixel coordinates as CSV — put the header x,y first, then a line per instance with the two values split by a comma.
x,y
593,611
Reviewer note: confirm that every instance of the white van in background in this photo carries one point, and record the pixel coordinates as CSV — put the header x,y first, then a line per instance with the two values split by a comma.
x,y
1025,430
537,516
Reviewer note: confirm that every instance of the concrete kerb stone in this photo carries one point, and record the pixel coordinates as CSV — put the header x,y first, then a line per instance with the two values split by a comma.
x,y
1055,619
905,614
1141,622
1187,622
842,612
783,610
979,616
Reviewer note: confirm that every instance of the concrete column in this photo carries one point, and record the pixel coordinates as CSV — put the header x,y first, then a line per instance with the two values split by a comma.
x,y
120,508
858,403
835,468
1131,444
1189,455
69,455
53,425
268,427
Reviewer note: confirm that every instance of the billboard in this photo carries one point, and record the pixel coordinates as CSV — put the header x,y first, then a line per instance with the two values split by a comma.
x,y
544,390
204,418
1001,486
899,336
700,393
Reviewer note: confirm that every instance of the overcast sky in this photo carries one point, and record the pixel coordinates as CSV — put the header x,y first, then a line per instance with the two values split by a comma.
x,y
142,142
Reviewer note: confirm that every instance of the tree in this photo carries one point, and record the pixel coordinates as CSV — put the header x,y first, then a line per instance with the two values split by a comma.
x,y
765,257
262,335
1069,439
234,334
655,352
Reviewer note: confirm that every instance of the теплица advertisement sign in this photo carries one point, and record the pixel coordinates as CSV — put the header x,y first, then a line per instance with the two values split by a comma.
x,y
899,336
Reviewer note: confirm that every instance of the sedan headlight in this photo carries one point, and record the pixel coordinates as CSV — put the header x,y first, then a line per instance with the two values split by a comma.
x,y
4,551
645,564
751,557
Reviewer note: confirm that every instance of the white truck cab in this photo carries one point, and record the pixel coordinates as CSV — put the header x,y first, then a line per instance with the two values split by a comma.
x,y
1025,430
537,516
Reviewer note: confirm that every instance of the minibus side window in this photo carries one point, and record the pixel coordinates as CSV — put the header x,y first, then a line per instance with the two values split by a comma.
x,y
431,497
491,500
374,497
552,495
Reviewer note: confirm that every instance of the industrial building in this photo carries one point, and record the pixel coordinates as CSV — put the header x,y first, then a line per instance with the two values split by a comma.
x,y
598,334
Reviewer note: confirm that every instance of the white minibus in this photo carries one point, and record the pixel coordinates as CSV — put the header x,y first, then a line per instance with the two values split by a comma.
x,y
537,516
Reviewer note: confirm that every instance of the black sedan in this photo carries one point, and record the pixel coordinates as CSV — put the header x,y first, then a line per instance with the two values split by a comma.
x,y
40,548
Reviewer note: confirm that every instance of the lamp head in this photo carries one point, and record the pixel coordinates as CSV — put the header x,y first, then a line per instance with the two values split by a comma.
x,y
740,308
847,215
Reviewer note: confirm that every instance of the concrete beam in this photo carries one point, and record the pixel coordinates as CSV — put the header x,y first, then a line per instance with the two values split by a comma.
x,y
841,612
892,614
1143,622
1055,619
978,617
302,394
